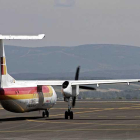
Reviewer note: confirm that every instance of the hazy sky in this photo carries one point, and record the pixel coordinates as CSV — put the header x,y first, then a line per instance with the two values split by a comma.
x,y
72,22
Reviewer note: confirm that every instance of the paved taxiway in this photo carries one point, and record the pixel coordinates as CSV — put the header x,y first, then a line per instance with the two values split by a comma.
x,y
92,120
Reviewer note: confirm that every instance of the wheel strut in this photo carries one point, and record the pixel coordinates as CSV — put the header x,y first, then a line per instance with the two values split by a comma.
x,y
69,113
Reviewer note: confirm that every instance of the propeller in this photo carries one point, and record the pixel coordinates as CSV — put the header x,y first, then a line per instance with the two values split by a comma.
x,y
76,78
82,87
77,73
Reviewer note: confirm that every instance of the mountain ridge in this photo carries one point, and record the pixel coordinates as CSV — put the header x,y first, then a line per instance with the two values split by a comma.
x,y
104,59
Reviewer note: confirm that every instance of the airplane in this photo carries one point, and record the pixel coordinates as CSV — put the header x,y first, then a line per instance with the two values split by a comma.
x,y
21,96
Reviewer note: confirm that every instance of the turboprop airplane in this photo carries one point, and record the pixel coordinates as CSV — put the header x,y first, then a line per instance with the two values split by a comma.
x,y
26,96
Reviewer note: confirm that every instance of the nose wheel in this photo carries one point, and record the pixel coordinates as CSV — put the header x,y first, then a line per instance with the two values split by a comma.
x,y
45,114
69,113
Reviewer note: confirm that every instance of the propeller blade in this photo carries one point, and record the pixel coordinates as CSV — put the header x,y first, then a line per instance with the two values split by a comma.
x,y
87,88
73,101
76,78
77,73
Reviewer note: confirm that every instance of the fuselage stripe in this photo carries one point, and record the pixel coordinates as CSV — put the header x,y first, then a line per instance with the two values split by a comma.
x,y
24,93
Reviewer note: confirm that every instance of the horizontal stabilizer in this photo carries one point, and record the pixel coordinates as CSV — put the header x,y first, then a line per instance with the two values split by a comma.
x,y
22,37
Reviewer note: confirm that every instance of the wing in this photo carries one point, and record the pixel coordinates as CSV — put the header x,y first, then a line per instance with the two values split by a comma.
x,y
77,82
97,82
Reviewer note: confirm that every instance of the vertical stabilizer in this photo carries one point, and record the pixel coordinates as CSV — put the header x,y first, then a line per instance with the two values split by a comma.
x,y
6,79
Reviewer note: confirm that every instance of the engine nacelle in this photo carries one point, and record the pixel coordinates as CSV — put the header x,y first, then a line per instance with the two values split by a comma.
x,y
68,90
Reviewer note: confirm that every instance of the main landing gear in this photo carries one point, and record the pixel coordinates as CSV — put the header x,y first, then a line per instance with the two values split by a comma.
x,y
69,113
45,114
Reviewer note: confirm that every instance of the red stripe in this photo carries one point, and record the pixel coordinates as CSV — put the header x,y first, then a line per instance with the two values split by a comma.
x,y
19,91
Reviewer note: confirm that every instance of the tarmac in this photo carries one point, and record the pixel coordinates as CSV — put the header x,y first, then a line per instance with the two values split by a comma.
x,y
103,120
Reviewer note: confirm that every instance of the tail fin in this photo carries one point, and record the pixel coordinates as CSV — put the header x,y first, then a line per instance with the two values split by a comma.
x,y
6,79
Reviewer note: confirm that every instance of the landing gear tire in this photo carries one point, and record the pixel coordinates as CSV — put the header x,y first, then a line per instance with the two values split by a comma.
x,y
71,115
43,114
47,114
66,115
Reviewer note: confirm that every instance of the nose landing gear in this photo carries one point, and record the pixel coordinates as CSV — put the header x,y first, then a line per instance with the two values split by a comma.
x,y
69,113
45,114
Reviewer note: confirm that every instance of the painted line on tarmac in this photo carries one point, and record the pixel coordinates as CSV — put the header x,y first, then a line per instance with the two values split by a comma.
x,y
65,130
121,116
87,112
73,108
136,108
78,112
84,116
105,101
97,109
47,121
109,108
57,115
102,116
73,123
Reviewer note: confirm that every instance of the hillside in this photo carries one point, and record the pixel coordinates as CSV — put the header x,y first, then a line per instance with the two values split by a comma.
x,y
107,61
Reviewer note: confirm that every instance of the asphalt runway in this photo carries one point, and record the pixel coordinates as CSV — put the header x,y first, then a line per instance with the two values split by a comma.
x,y
92,120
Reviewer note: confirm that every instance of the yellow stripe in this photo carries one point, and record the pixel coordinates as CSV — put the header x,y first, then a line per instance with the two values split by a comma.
x,y
23,96
50,94
16,97
4,69
26,96
4,60
50,89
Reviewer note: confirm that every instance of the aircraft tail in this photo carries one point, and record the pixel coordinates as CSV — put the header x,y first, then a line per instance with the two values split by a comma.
x,y
5,79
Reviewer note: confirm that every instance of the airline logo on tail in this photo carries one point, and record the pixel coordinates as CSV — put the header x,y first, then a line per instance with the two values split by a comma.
x,y
3,66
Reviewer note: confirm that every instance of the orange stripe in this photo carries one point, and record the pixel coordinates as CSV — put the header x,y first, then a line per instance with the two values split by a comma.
x,y
3,69
3,66
16,97
23,96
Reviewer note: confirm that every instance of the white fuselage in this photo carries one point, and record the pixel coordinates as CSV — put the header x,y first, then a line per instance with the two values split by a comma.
x,y
25,99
